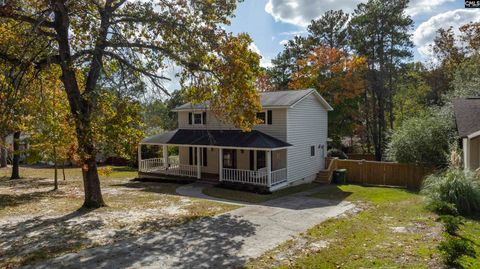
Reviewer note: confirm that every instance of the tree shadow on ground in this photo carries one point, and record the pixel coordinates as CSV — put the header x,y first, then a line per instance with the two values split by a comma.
x,y
38,238
8,200
156,187
28,183
205,243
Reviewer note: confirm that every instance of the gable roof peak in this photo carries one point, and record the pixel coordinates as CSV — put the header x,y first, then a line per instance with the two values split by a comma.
x,y
284,98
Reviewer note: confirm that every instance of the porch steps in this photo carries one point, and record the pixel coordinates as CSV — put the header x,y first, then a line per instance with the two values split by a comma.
x,y
323,177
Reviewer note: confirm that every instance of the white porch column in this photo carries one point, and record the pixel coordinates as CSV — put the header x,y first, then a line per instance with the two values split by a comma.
x,y
165,155
199,167
140,157
268,154
466,153
220,164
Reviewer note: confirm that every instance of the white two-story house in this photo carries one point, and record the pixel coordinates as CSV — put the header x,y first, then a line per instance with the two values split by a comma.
x,y
287,148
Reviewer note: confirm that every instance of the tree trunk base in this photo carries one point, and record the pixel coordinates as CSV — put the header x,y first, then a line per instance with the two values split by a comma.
x,y
93,205
91,184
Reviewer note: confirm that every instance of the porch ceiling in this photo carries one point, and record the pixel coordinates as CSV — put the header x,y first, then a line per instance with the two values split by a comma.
x,y
220,138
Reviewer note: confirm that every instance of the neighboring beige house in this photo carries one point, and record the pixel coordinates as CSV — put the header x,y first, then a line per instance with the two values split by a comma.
x,y
288,148
467,116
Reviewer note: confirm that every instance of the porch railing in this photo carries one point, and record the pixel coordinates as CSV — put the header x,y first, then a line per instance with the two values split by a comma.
x,y
260,177
254,177
181,170
279,176
150,165
245,176
156,165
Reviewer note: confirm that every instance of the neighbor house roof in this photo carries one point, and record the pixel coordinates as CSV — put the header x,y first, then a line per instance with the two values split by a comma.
x,y
467,116
270,99
221,138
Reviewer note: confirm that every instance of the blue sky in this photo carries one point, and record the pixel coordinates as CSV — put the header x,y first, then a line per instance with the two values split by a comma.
x,y
270,21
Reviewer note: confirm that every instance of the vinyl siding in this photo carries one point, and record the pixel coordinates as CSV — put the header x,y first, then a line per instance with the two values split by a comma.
x,y
279,159
474,153
307,126
277,129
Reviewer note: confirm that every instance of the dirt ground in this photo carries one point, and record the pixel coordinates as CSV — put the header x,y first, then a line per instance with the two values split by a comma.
x,y
38,223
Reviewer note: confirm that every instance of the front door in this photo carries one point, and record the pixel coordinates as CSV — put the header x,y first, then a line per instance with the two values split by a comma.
x,y
230,158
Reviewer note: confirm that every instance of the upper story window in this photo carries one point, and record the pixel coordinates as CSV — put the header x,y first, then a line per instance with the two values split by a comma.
x,y
197,118
312,151
265,116
262,116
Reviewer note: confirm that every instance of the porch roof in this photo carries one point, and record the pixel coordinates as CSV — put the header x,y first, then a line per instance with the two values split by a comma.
x,y
220,138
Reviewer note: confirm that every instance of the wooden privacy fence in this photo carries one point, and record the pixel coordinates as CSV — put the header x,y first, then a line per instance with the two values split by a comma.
x,y
384,173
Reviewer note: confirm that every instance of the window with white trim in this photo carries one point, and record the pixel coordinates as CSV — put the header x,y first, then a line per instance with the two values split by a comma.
x,y
197,118
262,116
312,151
265,117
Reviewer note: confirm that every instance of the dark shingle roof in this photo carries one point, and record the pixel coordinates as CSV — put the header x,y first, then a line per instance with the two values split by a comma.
x,y
467,115
267,99
223,138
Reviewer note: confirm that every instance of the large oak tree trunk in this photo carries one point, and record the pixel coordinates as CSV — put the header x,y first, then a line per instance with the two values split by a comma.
x,y
80,107
91,184
16,156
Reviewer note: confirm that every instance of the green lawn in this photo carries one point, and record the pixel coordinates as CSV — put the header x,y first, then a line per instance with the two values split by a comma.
x,y
32,215
471,231
392,230
254,198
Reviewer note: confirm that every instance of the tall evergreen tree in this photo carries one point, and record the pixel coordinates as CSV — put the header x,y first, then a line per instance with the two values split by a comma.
x,y
330,30
286,62
380,31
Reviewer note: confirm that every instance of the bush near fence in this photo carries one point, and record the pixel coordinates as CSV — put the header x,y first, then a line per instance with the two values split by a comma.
x,y
384,173
355,156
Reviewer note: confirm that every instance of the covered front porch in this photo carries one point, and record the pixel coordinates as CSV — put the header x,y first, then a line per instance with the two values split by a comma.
x,y
243,161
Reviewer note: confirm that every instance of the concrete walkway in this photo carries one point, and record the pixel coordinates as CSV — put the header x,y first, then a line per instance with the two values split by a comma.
x,y
224,241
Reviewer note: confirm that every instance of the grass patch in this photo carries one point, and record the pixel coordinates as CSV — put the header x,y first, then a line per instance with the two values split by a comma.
x,y
393,230
471,232
375,195
254,198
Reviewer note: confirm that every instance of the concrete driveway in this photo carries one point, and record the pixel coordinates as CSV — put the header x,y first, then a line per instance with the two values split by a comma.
x,y
225,241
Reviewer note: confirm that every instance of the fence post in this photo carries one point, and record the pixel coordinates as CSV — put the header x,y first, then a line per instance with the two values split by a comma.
x,y
384,173
362,171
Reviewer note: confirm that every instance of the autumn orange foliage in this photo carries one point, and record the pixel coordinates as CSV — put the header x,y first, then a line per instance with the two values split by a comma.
x,y
336,75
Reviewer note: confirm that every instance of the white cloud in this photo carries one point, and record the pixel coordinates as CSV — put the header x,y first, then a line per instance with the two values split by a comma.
x,y
254,48
425,33
283,42
301,12
264,61
293,33
417,7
